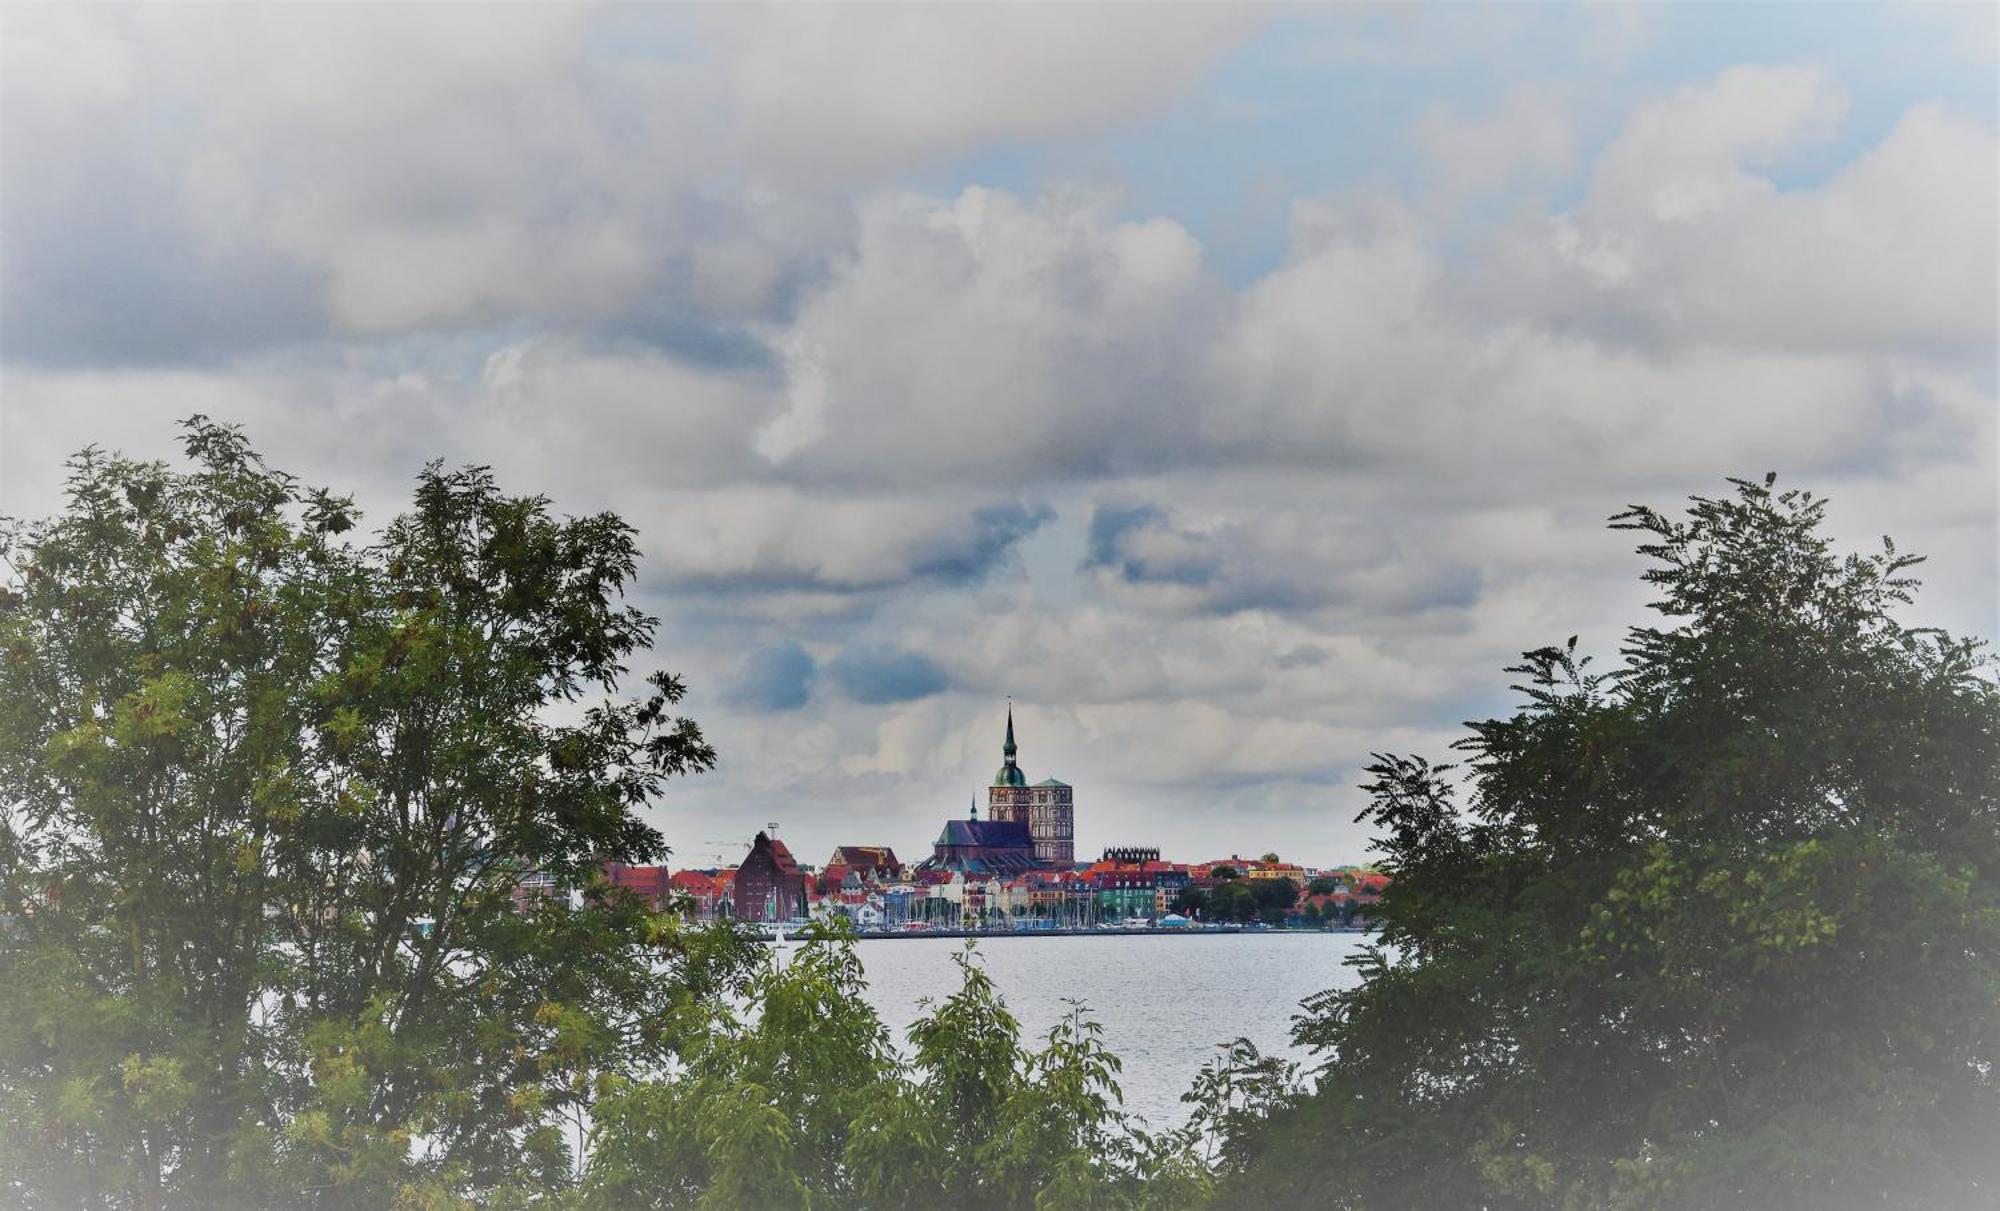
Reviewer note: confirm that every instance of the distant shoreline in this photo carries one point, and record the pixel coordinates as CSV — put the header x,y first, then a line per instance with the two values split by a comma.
x,y
1168,931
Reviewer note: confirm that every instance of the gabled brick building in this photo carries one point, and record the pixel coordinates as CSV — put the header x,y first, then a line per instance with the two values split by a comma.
x,y
769,884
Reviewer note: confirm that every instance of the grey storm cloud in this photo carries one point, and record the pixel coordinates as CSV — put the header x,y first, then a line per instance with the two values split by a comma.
x,y
1286,560
92,291
777,677
879,676
995,530
205,184
768,541
1115,534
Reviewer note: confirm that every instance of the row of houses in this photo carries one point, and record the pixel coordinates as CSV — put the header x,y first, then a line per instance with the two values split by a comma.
x,y
873,889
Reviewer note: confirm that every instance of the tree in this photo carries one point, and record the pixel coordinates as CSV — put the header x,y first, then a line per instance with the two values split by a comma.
x,y
1225,872
268,797
764,1102
1232,901
1323,885
1270,859
1189,900
797,1099
1716,929
1274,899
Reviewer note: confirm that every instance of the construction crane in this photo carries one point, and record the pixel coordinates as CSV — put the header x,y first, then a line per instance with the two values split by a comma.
x,y
717,853
712,853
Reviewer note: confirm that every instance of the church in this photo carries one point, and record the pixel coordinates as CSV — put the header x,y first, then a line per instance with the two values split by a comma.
x,y
1026,827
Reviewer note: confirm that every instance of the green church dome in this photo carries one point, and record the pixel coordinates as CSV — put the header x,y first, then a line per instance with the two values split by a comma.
x,y
1010,775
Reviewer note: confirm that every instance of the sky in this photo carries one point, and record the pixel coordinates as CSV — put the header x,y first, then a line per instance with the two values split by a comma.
x,y
1238,390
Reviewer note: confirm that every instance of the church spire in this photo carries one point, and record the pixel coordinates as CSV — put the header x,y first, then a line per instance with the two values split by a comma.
x,y
1010,775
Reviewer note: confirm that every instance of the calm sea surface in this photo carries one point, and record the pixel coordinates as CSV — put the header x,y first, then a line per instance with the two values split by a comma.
x,y
1165,1002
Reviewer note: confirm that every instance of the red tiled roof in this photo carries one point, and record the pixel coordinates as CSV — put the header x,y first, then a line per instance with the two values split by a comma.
x,y
648,880
782,857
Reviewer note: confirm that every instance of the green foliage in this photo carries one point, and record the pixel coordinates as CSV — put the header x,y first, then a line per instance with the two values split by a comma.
x,y
1275,899
1232,1100
1233,901
1716,930
267,795
761,1103
796,1097
1243,901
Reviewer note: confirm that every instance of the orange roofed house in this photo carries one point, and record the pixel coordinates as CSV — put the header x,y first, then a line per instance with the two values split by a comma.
x,y
704,891
867,863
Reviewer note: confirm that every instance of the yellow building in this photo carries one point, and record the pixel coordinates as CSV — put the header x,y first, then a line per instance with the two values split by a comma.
x,y
1277,870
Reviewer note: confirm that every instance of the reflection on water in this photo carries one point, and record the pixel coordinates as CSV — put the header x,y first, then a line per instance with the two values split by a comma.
x,y
1165,1002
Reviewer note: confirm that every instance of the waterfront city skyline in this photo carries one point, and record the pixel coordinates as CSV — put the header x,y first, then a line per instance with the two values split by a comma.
x,y
1238,390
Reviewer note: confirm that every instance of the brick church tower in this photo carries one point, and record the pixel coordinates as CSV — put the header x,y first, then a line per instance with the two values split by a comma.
x,y
1048,808
1052,821
1007,798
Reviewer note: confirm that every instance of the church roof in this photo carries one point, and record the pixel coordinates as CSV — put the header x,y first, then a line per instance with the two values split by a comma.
x,y
1053,782
997,834
997,862
983,847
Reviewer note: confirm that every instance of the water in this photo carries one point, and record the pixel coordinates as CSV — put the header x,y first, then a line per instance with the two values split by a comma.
x,y
1165,1002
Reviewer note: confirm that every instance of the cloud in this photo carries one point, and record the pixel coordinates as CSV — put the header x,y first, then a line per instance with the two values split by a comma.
x,y
256,178
595,427
899,335
777,677
995,531
781,540
1686,235
1528,132
878,676
277,199
843,91
1141,545
1276,559
988,339
1690,153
